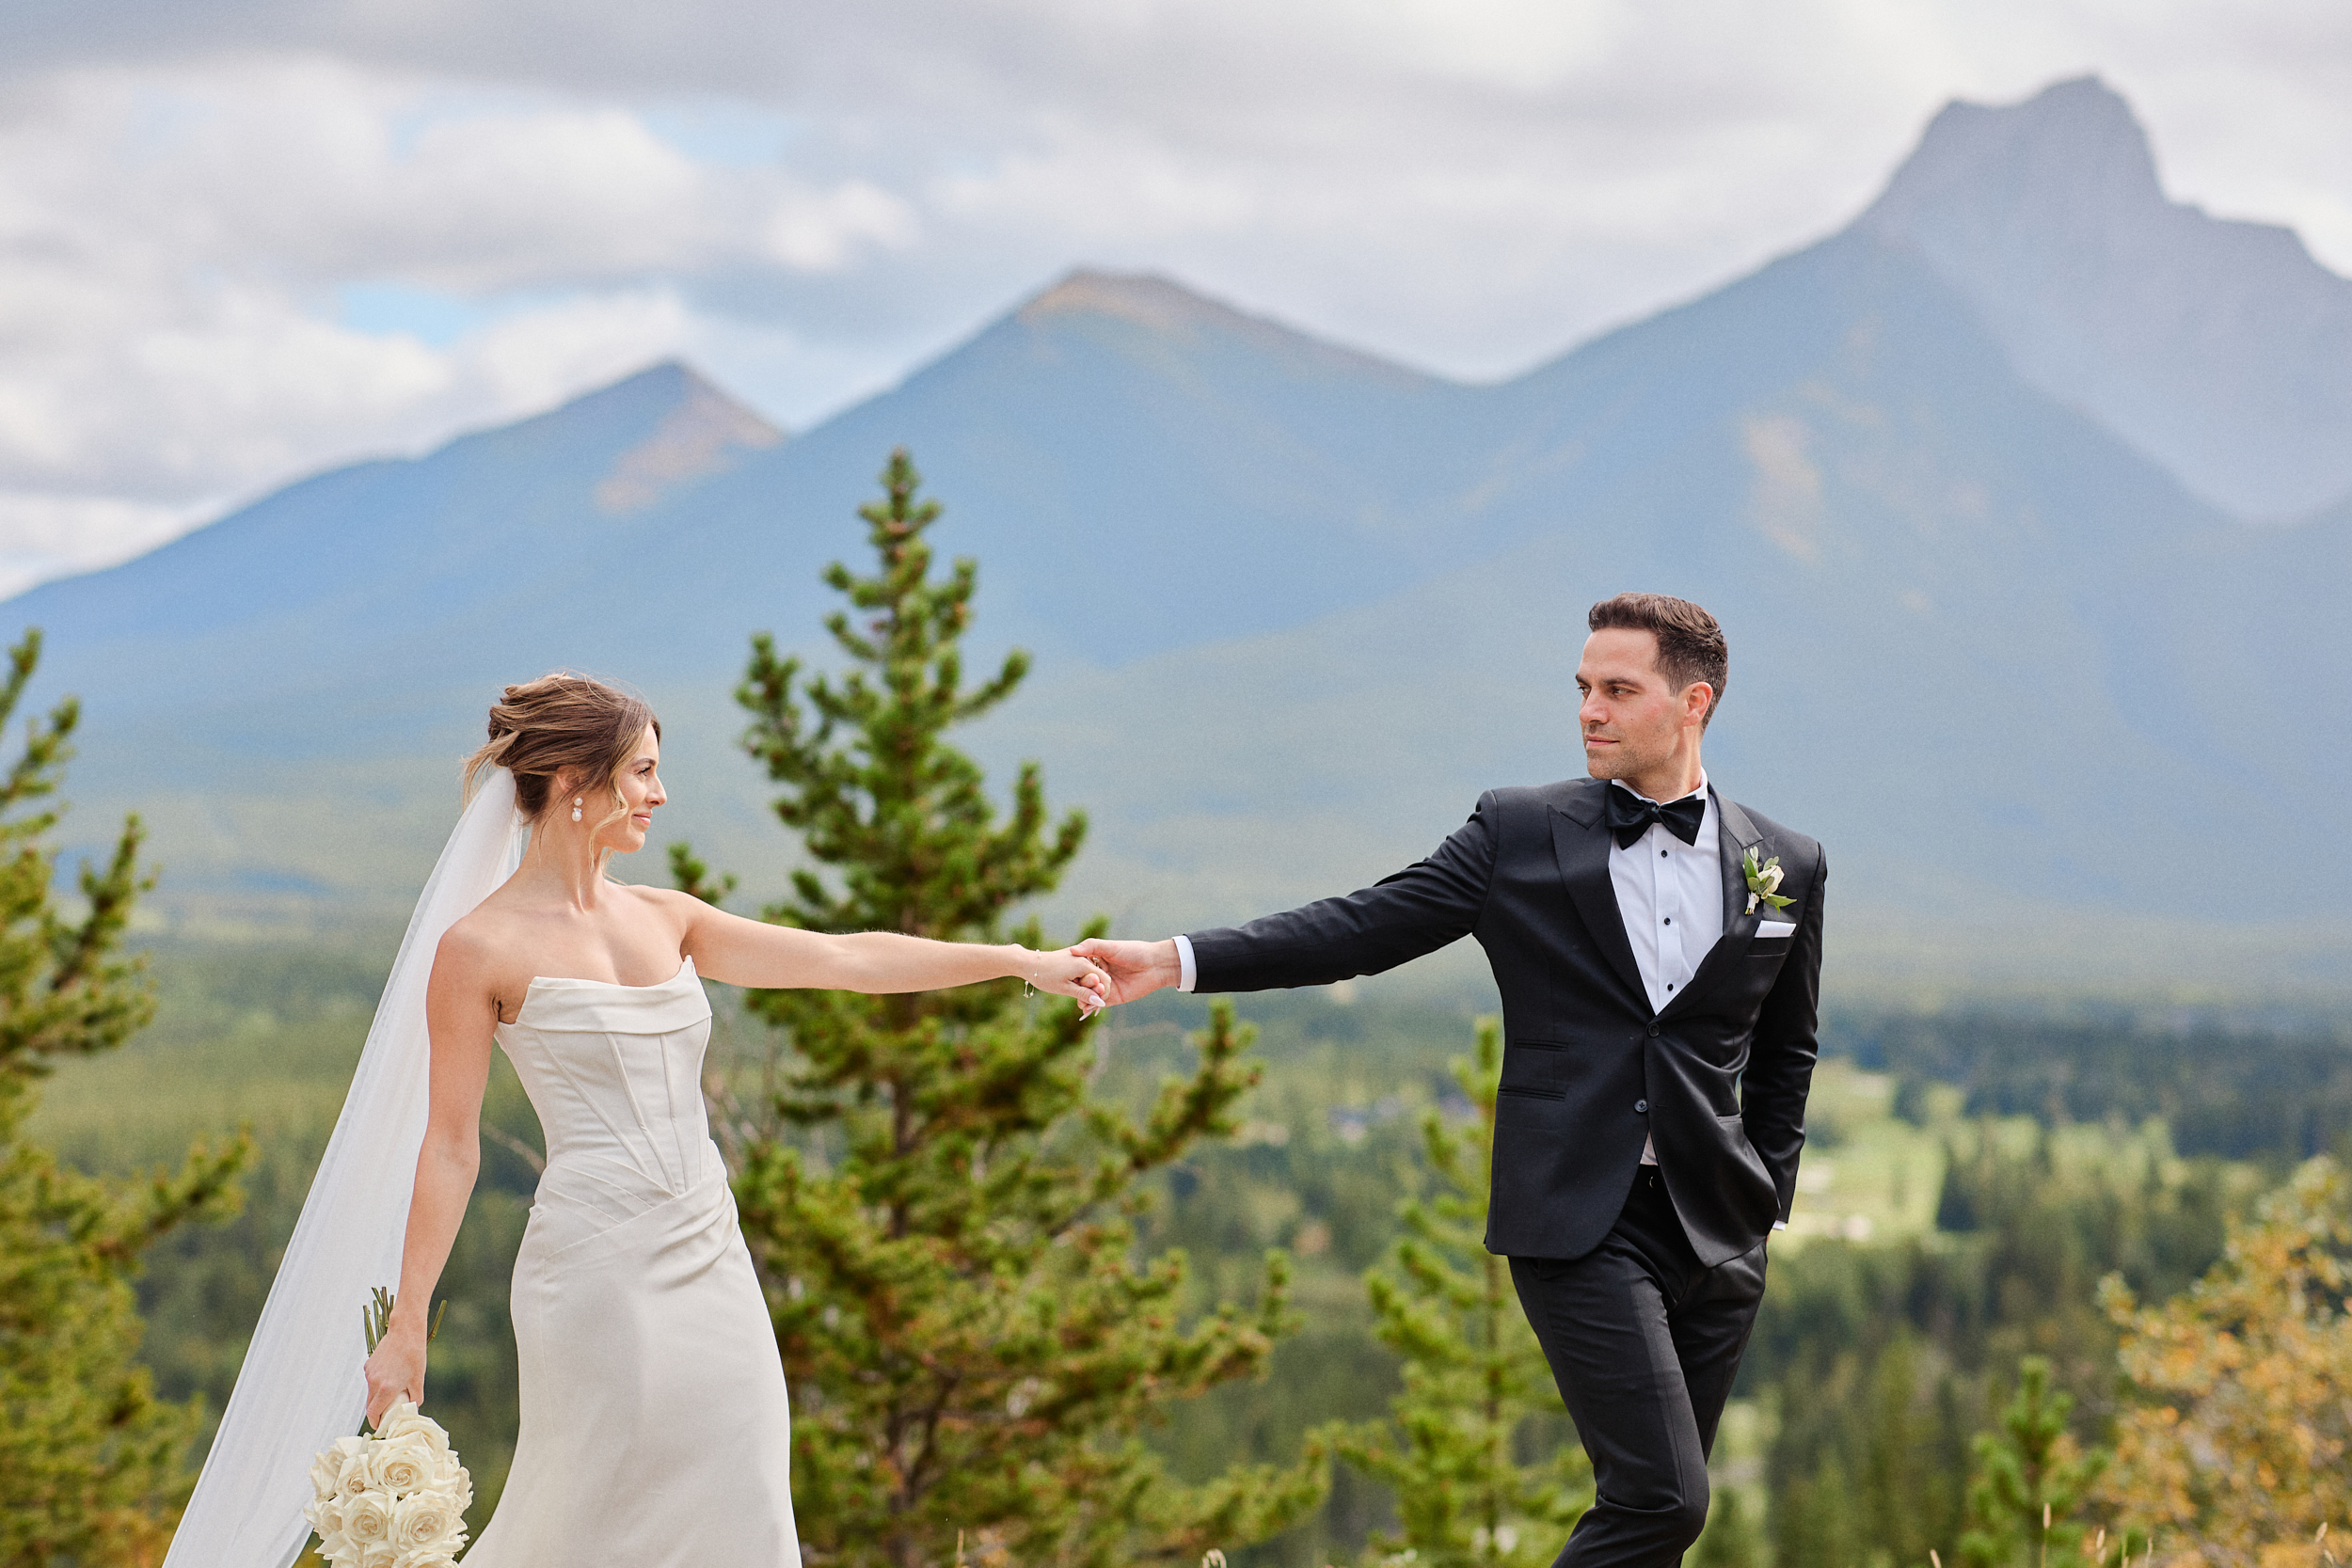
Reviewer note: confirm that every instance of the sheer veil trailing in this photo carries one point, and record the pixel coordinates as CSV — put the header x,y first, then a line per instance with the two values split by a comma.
x,y
300,1387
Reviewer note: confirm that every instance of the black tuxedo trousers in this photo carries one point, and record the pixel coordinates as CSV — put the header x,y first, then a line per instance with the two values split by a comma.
x,y
1717,1081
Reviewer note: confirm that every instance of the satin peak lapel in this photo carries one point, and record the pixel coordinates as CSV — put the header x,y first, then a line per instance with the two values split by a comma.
x,y
1580,839
1735,837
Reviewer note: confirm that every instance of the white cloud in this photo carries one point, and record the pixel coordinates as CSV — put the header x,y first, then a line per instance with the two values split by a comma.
x,y
171,245
187,194
48,536
824,231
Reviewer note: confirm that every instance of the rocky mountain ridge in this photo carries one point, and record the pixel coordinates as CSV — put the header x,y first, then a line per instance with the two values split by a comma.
x,y
1294,607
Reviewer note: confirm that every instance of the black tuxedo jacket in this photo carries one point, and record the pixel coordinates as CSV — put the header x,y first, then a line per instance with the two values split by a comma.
x,y
1718,1080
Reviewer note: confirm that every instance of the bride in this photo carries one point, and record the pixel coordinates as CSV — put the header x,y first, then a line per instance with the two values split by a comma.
x,y
654,1427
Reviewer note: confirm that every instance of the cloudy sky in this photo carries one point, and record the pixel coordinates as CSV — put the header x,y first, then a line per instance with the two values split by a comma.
x,y
241,240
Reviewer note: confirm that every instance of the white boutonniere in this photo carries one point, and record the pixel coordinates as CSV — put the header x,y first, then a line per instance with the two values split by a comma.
x,y
1763,881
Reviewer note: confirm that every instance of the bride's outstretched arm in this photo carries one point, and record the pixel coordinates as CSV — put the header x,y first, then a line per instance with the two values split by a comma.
x,y
754,953
462,1017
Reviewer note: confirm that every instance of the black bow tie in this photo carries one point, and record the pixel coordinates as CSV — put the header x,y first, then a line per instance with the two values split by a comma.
x,y
1629,817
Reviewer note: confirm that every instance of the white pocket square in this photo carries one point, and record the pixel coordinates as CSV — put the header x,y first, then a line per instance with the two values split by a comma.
x,y
1774,928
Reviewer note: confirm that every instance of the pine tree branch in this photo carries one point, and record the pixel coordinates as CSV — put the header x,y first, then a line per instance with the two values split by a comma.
x,y
691,877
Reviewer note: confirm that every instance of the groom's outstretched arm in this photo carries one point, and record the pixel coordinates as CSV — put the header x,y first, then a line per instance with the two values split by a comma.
x,y
1416,910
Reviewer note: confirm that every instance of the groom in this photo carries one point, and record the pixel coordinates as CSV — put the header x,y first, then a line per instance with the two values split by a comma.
x,y
1659,952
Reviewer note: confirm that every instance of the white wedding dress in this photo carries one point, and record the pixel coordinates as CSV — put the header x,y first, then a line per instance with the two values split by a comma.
x,y
655,1430
654,1425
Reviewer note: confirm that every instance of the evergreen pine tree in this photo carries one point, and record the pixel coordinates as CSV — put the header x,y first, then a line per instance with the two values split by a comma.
x,y
1473,1372
93,1467
2029,1478
972,1348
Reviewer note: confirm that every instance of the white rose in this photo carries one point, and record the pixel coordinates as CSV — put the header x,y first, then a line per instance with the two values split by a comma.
x,y
422,1520
401,1464
368,1519
327,1470
355,1477
403,1420
378,1555
326,1518
1771,879
430,1559
456,1486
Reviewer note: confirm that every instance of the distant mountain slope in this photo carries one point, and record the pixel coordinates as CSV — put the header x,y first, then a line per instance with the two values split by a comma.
x,y
1141,468
2222,349
1902,540
1294,607
1138,467
388,575
1148,470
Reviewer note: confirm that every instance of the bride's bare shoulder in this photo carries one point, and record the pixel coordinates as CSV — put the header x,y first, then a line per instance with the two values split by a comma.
x,y
473,946
669,900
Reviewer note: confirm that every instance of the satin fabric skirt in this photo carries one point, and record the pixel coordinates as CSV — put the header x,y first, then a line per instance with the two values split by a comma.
x,y
655,1428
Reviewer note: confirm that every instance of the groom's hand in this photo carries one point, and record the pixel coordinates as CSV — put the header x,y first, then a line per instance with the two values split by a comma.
x,y
1135,968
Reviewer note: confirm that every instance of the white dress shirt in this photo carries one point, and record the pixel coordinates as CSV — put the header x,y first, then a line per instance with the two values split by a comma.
x,y
1670,894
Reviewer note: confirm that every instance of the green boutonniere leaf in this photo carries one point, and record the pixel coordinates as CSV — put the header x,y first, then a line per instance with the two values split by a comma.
x,y
1763,880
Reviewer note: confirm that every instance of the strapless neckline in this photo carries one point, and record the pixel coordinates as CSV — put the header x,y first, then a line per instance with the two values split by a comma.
x,y
686,967
556,985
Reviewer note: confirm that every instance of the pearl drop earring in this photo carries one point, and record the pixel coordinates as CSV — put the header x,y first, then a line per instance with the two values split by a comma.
x,y
574,808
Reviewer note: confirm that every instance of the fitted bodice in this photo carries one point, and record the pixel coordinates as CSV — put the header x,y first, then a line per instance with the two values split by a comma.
x,y
616,1073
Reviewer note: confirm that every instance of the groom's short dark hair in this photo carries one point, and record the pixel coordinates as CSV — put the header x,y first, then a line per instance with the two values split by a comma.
x,y
1691,645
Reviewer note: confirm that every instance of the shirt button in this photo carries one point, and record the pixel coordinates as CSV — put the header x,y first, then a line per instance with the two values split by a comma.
x,y
1670,920
1642,1107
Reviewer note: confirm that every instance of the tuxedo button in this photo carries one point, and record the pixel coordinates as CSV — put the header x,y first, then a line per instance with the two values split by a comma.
x,y
1641,1107
1653,1030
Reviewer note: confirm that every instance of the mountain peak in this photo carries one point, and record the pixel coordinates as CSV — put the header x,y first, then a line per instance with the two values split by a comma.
x,y
1167,309
662,387
704,432
2074,142
1148,299
2221,349
677,426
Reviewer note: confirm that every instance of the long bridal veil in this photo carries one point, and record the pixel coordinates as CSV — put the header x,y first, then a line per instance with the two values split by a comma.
x,y
300,1387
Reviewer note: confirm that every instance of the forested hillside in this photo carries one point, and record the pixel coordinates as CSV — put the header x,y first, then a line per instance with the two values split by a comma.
x,y
1955,1214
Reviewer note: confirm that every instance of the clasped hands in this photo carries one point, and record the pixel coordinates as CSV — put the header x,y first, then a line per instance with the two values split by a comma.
x,y
1102,973
1133,968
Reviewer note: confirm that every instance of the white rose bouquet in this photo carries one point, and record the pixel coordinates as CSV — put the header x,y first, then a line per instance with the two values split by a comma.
x,y
395,1498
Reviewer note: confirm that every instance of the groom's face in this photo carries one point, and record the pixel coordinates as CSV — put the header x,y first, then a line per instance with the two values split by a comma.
x,y
1633,719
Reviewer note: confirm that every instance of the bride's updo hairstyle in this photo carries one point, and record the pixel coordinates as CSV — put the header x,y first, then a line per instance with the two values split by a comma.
x,y
559,721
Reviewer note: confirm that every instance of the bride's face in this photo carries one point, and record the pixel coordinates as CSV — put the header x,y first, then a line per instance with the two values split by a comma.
x,y
640,784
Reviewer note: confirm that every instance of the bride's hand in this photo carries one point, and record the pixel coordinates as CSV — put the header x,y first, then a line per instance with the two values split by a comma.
x,y
1068,974
395,1372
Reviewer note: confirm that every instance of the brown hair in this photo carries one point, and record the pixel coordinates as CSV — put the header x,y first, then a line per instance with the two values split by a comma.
x,y
563,721
1691,645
